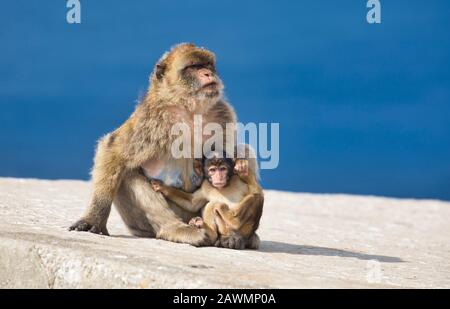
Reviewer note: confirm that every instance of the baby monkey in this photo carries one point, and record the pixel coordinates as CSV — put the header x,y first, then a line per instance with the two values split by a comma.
x,y
231,203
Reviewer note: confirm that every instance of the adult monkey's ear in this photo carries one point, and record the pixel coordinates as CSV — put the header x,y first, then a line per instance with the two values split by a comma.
x,y
160,70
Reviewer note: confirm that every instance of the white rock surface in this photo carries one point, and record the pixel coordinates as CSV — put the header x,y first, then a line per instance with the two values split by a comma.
x,y
308,240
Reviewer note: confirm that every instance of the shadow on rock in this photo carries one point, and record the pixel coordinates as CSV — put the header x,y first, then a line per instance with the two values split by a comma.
x,y
281,247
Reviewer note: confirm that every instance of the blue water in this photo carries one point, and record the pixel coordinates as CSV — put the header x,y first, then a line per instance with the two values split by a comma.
x,y
362,108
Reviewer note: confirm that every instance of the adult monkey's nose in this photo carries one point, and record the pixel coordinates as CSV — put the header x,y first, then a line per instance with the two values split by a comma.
x,y
205,72
206,76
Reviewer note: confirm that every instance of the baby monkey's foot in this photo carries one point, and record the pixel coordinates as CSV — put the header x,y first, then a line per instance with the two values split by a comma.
x,y
156,184
197,222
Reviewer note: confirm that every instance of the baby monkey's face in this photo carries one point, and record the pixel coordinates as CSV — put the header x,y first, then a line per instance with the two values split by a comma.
x,y
218,171
218,175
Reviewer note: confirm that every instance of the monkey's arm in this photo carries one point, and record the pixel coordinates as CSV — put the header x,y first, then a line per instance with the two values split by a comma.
x,y
249,177
192,202
106,176
250,205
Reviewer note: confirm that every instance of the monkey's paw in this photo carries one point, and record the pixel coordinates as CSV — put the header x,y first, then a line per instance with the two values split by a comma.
x,y
241,167
234,241
156,184
83,226
201,238
197,222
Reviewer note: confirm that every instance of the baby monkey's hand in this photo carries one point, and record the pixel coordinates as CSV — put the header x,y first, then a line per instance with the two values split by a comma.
x,y
157,185
241,167
197,222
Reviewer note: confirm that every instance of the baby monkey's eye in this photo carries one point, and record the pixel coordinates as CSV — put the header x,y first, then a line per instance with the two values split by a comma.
x,y
212,170
223,168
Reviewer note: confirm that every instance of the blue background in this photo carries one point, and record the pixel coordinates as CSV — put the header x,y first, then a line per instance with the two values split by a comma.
x,y
362,108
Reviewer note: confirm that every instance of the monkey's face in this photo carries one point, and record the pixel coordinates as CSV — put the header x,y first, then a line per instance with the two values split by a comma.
x,y
200,78
218,171
189,70
218,175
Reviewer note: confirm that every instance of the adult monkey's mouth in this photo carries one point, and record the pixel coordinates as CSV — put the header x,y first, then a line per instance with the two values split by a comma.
x,y
210,85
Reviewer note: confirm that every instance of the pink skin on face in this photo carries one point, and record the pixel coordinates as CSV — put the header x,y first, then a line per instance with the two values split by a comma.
x,y
218,176
205,76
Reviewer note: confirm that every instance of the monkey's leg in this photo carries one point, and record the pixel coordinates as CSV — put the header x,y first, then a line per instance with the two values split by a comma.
x,y
237,226
225,218
239,217
209,221
147,213
106,175
134,217
227,237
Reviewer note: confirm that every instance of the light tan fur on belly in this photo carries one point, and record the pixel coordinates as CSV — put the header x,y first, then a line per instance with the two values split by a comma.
x,y
230,195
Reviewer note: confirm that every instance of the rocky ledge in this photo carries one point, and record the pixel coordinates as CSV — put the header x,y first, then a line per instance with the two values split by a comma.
x,y
308,241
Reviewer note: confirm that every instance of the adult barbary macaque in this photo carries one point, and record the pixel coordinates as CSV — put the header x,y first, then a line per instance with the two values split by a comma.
x,y
230,203
184,83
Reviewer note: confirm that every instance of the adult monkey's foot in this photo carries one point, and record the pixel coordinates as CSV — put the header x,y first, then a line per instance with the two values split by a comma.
x,y
83,225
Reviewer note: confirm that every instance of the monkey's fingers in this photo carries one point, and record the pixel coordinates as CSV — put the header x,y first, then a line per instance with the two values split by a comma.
x,y
101,231
80,226
156,184
84,226
241,167
197,222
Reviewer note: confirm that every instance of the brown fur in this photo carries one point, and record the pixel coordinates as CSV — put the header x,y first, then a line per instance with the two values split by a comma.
x,y
235,209
144,140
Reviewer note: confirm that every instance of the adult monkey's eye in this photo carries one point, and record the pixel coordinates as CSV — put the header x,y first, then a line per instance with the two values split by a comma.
x,y
195,66
210,66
